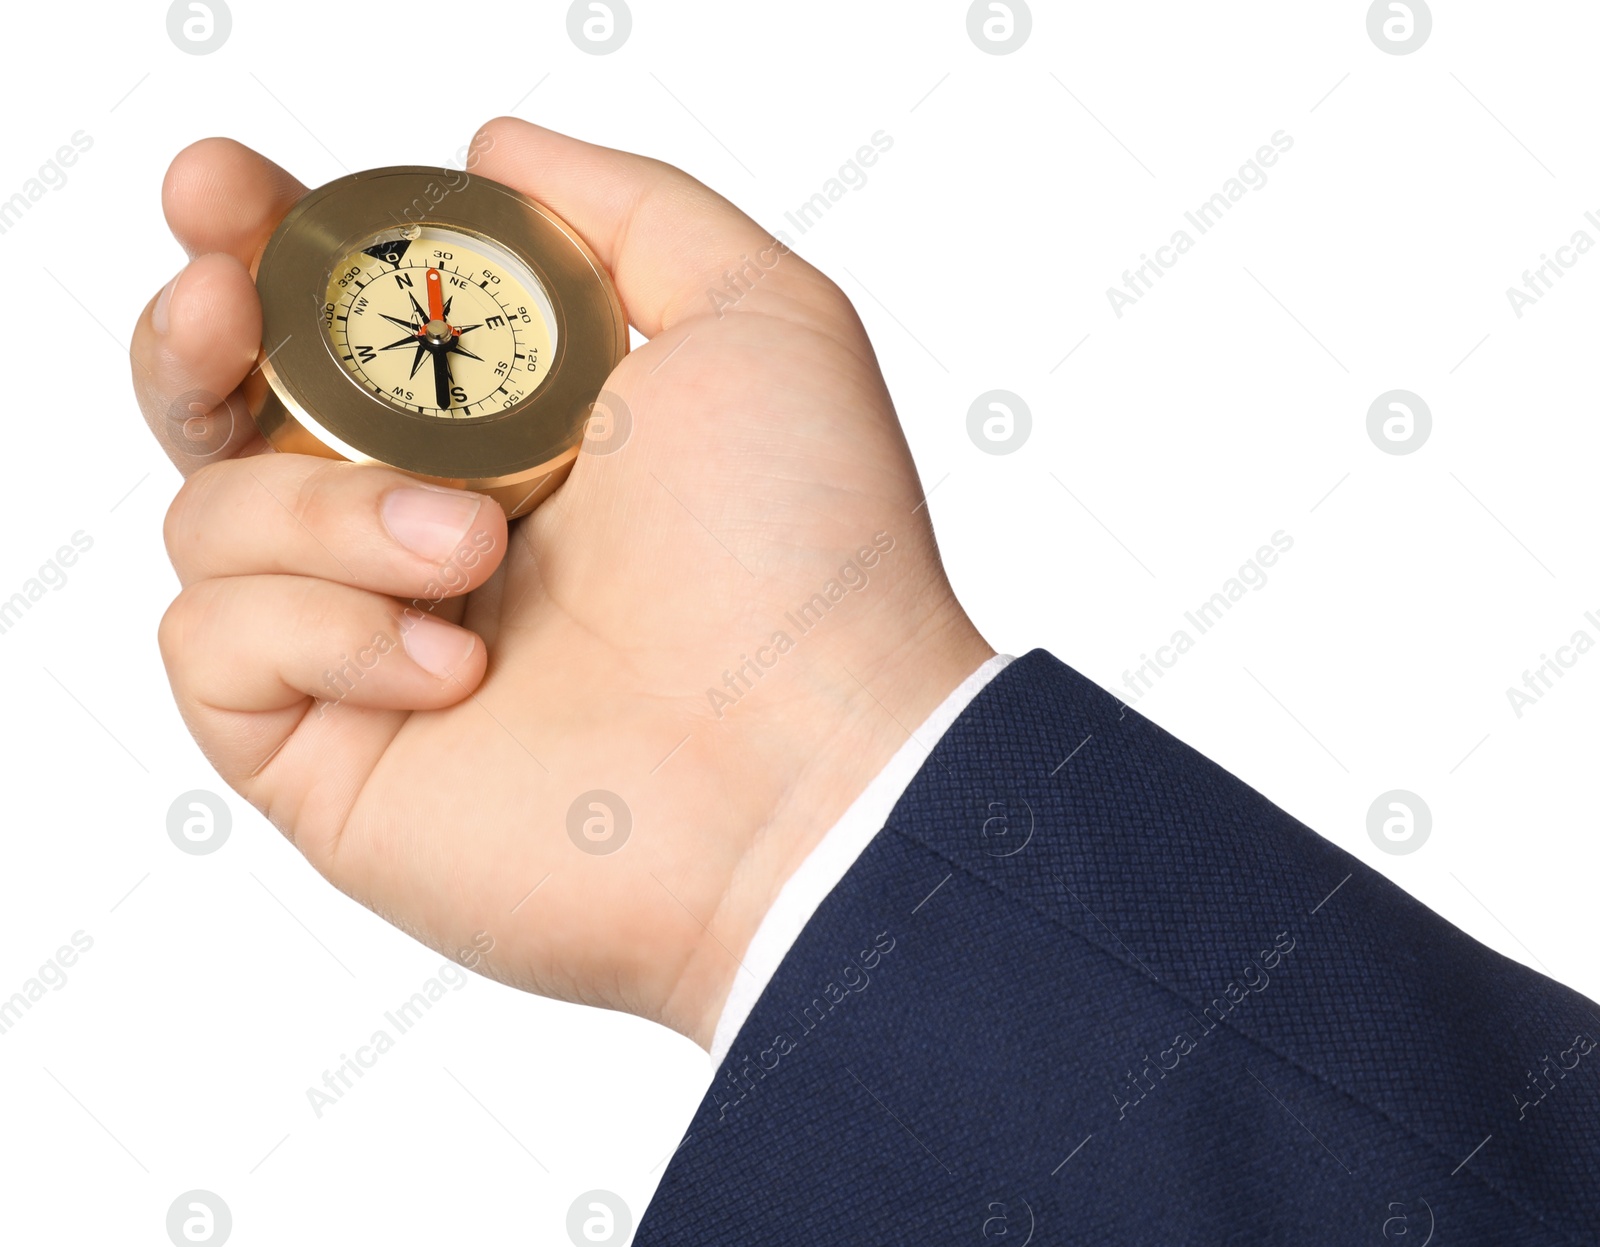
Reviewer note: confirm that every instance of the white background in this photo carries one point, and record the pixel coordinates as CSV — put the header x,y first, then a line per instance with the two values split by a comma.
x,y
1174,441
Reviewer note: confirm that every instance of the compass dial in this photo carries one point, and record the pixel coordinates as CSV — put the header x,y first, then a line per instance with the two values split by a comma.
x,y
439,323
448,327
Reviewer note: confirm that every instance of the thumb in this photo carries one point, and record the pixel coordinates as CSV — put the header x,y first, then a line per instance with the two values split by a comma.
x,y
668,240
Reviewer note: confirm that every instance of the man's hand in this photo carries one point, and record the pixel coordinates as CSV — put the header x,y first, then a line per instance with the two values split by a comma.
x,y
689,623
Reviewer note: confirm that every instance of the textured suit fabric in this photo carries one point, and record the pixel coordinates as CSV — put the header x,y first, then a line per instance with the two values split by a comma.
x,y
1088,987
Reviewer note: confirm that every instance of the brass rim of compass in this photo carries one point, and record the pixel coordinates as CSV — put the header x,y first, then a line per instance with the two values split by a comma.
x,y
500,453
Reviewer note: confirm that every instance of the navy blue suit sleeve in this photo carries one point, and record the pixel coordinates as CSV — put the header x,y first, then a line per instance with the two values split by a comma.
x,y
1088,987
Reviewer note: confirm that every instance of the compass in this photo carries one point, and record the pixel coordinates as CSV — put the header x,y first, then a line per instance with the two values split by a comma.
x,y
437,323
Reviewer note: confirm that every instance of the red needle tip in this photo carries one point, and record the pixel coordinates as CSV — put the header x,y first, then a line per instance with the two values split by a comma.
x,y
435,295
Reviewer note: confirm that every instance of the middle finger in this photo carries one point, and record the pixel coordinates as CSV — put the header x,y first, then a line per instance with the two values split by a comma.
x,y
352,523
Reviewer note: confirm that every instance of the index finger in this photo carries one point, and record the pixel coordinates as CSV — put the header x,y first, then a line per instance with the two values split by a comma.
x,y
196,343
220,195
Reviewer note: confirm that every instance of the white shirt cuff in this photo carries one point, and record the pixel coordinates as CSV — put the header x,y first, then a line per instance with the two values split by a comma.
x,y
834,854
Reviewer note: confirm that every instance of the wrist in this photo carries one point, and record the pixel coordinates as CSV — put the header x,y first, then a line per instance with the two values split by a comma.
x,y
816,741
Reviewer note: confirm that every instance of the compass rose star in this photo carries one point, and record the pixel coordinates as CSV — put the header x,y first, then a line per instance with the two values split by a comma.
x,y
413,340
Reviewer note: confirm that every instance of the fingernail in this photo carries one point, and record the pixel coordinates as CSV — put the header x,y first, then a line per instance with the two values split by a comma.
x,y
437,647
160,320
431,523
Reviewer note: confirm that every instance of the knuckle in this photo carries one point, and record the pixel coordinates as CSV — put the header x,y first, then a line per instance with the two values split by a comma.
x,y
317,496
184,617
323,611
207,505
185,521
333,496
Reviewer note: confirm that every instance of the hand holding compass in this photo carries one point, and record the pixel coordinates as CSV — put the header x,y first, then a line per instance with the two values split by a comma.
x,y
572,652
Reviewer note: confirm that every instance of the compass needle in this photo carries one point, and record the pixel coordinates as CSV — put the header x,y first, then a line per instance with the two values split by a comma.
x,y
441,380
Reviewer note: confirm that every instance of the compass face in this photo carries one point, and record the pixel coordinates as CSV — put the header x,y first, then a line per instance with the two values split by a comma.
x,y
448,327
439,323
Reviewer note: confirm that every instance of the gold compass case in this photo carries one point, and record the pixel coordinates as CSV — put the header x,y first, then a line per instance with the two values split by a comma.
x,y
439,323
